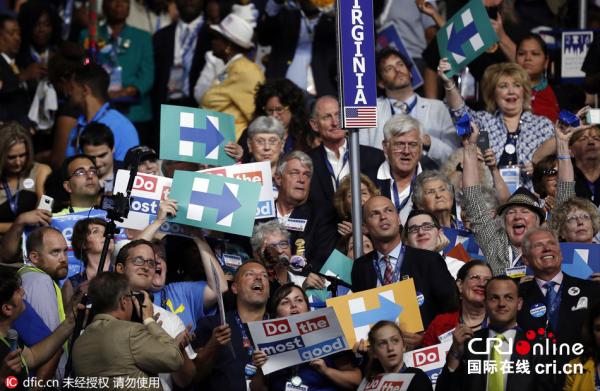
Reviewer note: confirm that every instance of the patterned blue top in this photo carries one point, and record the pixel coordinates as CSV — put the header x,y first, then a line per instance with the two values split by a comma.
x,y
535,130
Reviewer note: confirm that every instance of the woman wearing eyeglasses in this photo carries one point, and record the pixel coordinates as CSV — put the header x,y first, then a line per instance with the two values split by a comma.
x,y
21,178
336,372
434,193
283,100
266,136
471,280
576,220
386,355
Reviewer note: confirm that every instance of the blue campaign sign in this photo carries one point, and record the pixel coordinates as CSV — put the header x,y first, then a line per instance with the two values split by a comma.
x,y
580,259
356,64
388,310
388,36
464,237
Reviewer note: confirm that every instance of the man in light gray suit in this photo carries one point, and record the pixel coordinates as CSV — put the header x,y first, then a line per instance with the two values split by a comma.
x,y
114,346
394,77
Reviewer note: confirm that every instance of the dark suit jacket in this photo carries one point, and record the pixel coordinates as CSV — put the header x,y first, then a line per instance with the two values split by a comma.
x,y
384,184
460,380
319,236
321,186
571,317
282,31
427,269
164,46
14,98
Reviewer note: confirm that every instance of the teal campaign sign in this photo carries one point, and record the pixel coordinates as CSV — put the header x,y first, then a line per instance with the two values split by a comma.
x,y
466,35
337,265
215,202
195,135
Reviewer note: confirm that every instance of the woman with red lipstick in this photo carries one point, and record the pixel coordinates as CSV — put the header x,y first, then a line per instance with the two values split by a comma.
x,y
514,132
386,355
470,282
337,372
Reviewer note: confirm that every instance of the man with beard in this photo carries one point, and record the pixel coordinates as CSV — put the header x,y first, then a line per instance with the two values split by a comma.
x,y
395,78
502,301
47,253
225,351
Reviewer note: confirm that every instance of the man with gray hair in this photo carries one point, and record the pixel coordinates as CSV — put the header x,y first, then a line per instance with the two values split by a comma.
x,y
312,230
402,146
553,300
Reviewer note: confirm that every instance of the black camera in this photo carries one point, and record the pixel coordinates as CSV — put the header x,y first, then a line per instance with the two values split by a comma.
x,y
116,206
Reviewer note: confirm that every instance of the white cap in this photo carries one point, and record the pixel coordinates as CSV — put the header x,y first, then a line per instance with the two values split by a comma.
x,y
236,29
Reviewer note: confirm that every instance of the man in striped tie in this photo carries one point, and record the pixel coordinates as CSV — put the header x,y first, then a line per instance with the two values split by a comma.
x,y
392,261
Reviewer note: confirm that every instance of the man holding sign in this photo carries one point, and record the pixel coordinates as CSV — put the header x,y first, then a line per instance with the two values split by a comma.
x,y
224,346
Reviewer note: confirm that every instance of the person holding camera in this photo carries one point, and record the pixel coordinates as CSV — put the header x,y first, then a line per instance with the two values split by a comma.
x,y
114,345
137,261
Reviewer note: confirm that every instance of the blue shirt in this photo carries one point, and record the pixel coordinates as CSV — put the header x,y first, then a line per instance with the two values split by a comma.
x,y
123,130
185,299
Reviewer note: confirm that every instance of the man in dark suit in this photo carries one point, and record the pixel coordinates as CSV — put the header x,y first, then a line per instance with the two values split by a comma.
x,y
553,300
392,261
468,355
331,158
14,97
403,148
295,31
179,52
312,231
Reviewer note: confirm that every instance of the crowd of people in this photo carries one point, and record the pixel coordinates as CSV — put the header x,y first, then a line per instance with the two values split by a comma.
x,y
81,88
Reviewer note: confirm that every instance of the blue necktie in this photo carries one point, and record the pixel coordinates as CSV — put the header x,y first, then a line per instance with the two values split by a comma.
x,y
551,303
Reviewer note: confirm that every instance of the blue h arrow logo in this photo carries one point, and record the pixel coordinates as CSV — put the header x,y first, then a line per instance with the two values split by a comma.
x,y
225,203
469,33
388,310
210,137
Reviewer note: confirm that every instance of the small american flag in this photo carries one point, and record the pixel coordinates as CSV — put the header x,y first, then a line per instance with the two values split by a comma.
x,y
360,117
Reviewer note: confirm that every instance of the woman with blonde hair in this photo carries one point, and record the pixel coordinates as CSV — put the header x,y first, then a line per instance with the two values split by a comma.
x,y
514,132
576,220
21,178
342,200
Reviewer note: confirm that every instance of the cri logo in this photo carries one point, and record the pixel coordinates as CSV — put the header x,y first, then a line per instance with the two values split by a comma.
x,y
522,347
11,382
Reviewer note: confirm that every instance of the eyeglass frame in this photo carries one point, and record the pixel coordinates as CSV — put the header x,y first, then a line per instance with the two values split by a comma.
x,y
281,245
278,110
82,171
427,227
146,261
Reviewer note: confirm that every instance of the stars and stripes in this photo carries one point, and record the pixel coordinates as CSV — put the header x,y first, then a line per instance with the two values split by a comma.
x,y
360,117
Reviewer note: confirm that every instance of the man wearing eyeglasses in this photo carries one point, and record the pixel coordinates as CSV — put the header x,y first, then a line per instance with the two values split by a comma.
x,y
80,181
114,345
396,177
554,300
137,261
